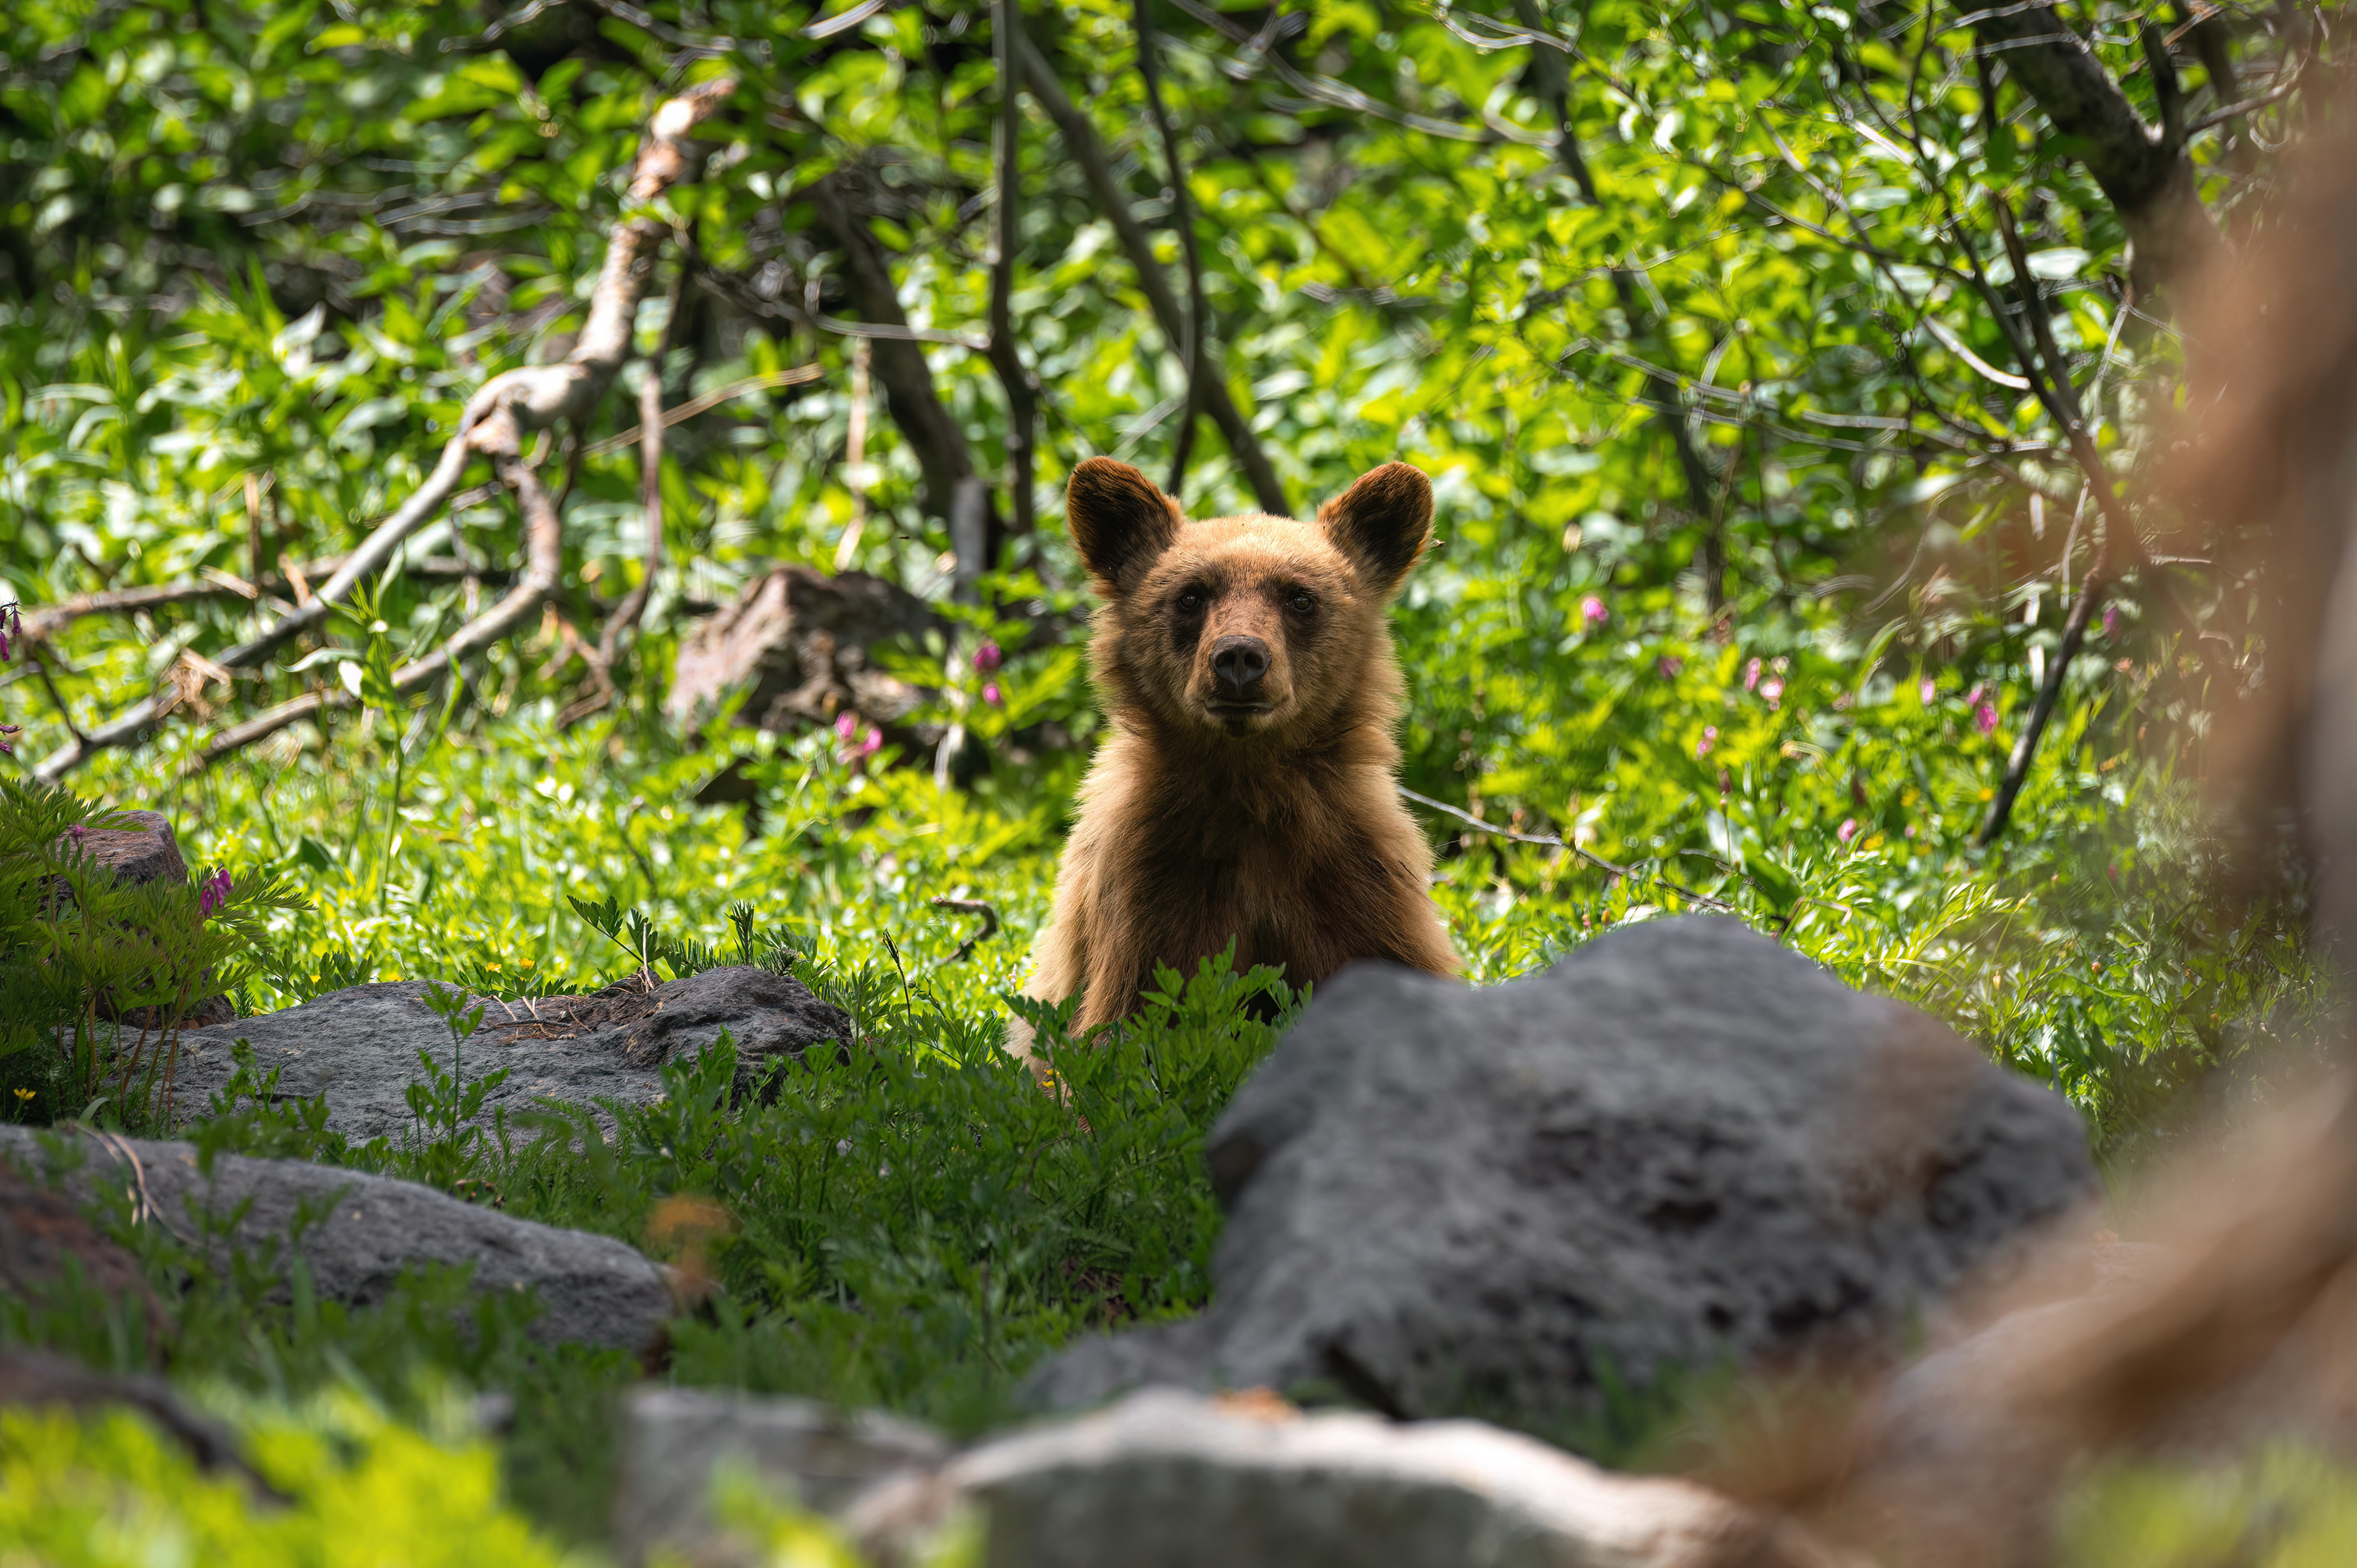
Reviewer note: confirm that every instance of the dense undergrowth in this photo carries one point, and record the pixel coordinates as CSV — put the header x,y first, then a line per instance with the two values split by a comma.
x,y
914,1225
256,258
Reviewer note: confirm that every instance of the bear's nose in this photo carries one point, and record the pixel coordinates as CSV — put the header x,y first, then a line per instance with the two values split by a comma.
x,y
1239,663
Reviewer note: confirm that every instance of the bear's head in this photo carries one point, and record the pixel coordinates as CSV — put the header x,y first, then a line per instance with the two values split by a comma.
x,y
1255,629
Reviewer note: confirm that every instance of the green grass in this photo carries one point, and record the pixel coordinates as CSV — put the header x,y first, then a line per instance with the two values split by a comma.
x,y
914,1226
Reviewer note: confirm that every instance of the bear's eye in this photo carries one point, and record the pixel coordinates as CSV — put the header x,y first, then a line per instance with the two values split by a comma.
x,y
1302,602
1190,603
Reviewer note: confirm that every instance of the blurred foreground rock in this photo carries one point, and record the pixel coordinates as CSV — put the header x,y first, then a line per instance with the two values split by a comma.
x,y
1176,1480
32,1381
797,644
359,1046
675,1441
363,1231
1683,1145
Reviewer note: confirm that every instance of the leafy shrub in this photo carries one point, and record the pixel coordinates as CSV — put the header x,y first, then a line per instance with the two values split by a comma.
x,y
104,1489
96,980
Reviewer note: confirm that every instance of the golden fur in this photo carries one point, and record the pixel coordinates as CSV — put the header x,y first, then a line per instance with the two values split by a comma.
x,y
1265,813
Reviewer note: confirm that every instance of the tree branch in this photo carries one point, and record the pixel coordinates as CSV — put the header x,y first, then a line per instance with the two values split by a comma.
x,y
544,560
531,398
1554,77
651,425
1022,400
1082,141
2051,373
1182,215
2144,171
942,456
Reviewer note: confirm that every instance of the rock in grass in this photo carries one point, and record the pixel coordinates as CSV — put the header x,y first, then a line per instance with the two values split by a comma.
x,y
796,643
1685,1145
140,849
360,1047
1174,1480
595,1290
676,1442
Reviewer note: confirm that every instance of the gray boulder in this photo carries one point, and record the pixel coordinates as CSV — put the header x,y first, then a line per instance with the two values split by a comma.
x,y
1174,1480
1685,1145
677,1442
360,1047
365,1231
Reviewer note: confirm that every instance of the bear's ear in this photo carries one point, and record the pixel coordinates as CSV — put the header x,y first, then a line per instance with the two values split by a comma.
x,y
1382,523
1119,518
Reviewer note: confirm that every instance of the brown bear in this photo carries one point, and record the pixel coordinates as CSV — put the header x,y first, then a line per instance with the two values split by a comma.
x,y
1246,789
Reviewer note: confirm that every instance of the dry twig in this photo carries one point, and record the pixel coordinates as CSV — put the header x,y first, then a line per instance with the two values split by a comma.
x,y
989,913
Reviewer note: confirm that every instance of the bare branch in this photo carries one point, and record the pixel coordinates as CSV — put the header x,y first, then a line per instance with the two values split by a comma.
x,y
2052,374
942,456
44,625
989,913
1082,141
2144,171
530,398
633,603
1550,841
1022,399
543,559
1182,214
1661,386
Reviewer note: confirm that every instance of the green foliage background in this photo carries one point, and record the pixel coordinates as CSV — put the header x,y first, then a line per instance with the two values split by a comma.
x,y
254,255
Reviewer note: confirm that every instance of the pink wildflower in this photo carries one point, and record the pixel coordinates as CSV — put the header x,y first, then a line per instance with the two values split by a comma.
x,y
77,831
1669,667
1772,688
873,743
1848,830
2111,625
1751,675
1984,718
1592,613
991,694
1931,693
212,893
846,725
1709,734
988,658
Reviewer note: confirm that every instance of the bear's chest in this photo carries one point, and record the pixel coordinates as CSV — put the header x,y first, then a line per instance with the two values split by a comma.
x,y
1212,876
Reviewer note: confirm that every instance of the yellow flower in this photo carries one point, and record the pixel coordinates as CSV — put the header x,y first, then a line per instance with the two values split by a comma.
x,y
23,1094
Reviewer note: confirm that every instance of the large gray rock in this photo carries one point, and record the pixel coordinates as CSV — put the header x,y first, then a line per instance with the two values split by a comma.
x,y
596,1290
1683,1145
677,1442
1173,1480
360,1047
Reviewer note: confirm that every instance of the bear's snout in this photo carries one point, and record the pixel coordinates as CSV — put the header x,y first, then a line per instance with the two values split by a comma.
x,y
1239,665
